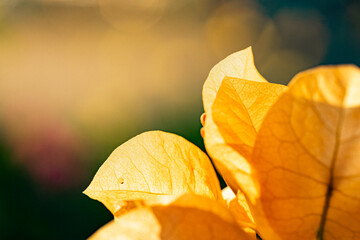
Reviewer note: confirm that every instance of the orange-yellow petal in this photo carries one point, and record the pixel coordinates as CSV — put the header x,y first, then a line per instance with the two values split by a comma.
x,y
239,208
231,129
240,108
151,165
306,158
238,65
188,217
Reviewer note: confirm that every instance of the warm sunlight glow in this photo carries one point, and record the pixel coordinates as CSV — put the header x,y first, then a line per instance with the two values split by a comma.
x,y
291,155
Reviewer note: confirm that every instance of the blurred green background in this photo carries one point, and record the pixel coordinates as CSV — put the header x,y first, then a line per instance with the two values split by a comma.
x,y
80,77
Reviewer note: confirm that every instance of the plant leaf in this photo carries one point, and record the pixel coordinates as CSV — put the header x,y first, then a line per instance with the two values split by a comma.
x,y
188,217
149,166
306,158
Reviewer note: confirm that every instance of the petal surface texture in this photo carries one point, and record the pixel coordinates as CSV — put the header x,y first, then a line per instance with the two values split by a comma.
x,y
239,208
307,158
237,65
230,132
188,217
149,166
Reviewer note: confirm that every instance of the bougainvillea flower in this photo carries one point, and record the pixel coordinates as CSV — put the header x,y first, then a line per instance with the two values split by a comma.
x,y
293,151
291,155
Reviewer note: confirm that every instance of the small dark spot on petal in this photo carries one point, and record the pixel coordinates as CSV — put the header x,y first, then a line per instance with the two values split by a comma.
x,y
121,180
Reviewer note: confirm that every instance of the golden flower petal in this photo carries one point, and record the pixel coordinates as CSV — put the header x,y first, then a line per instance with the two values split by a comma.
x,y
149,166
239,208
306,158
231,130
238,65
187,217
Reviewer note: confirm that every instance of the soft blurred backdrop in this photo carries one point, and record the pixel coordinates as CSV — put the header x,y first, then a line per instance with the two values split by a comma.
x,y
80,77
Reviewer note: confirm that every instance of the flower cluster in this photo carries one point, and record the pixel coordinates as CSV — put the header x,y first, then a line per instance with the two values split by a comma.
x,y
289,154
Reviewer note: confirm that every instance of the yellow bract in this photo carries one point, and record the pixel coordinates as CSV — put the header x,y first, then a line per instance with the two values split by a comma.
x,y
306,158
237,65
187,217
150,165
298,168
239,208
239,109
291,155
234,117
